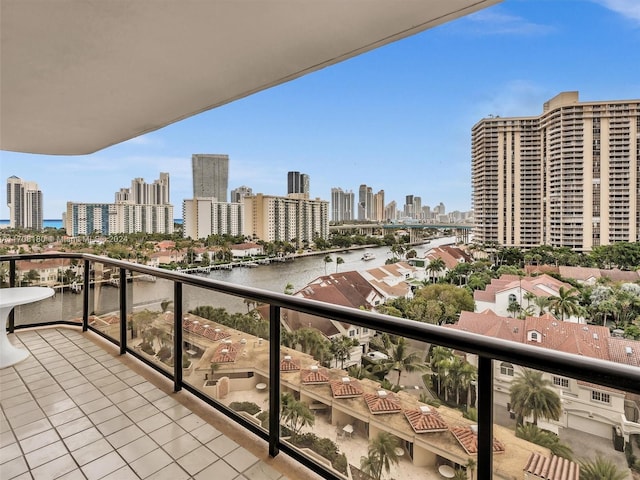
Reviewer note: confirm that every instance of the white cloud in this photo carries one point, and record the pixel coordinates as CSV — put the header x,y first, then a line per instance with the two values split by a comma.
x,y
495,22
627,8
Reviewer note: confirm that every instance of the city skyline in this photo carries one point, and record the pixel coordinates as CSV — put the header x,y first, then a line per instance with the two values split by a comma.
x,y
397,119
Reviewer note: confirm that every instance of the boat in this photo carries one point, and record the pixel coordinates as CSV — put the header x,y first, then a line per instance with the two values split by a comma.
x,y
368,256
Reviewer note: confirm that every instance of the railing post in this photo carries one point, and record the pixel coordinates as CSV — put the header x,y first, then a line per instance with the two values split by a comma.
x,y
12,283
485,417
177,336
85,296
274,379
123,311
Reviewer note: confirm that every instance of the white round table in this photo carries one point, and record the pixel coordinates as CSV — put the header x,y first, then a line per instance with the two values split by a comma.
x,y
446,471
9,298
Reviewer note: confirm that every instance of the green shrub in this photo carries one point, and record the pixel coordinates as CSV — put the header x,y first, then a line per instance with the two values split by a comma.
x,y
164,354
249,407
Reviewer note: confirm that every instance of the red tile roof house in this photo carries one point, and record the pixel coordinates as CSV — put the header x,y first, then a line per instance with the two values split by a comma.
x,y
451,256
392,281
585,407
349,289
502,291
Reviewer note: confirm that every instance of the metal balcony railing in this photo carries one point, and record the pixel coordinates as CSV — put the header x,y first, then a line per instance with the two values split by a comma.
x,y
618,376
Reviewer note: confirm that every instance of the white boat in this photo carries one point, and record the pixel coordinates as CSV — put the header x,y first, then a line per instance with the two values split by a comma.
x,y
368,256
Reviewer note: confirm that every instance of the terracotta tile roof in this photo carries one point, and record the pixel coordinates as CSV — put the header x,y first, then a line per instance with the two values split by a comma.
x,y
552,468
288,364
468,439
622,350
580,273
345,388
382,402
349,289
576,338
425,420
620,275
205,330
311,375
225,353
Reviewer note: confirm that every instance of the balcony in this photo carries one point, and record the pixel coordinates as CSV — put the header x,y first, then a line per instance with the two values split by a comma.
x,y
89,371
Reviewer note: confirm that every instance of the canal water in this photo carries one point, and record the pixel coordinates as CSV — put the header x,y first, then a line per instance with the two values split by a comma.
x,y
273,277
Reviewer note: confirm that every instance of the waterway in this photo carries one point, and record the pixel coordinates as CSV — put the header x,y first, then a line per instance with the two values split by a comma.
x,y
273,277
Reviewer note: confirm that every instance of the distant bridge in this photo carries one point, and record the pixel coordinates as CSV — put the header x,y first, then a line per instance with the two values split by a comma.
x,y
461,231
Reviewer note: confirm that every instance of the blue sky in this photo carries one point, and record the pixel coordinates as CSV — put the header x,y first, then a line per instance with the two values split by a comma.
x,y
397,118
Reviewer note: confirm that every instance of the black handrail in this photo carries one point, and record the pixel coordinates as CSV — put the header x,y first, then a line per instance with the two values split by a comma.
x,y
610,374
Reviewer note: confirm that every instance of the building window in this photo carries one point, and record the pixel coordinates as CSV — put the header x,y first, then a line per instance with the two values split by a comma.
x,y
561,382
601,397
506,369
512,298
352,333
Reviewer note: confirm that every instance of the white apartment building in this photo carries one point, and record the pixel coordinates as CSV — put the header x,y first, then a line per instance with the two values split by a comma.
x,y
143,208
205,216
116,218
568,177
286,219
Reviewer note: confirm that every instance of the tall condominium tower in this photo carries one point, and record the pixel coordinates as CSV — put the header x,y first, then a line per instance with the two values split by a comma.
x,y
342,204
237,194
210,176
143,193
365,202
377,211
298,183
24,200
204,216
568,177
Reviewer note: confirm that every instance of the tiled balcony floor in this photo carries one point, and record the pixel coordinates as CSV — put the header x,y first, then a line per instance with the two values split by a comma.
x,y
75,409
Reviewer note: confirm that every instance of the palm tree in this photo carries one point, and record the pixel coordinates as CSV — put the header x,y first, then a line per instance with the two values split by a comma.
x,y
341,348
544,438
513,308
380,455
288,288
327,259
529,297
339,261
401,359
435,267
440,356
531,395
295,414
565,303
600,469
471,465
542,303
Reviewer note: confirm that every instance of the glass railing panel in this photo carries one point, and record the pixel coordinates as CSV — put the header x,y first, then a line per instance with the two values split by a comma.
x,y
104,299
150,326
226,351
579,422
57,274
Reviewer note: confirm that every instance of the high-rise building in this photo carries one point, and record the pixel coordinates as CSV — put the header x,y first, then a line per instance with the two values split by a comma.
x,y
286,219
24,200
568,177
204,216
342,204
143,208
116,218
298,183
391,211
377,212
365,203
237,194
143,193
210,176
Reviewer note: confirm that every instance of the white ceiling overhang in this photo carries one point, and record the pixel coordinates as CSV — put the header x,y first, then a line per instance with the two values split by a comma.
x,y
79,75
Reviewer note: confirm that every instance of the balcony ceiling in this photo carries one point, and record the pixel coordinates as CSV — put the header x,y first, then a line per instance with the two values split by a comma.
x,y
80,75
